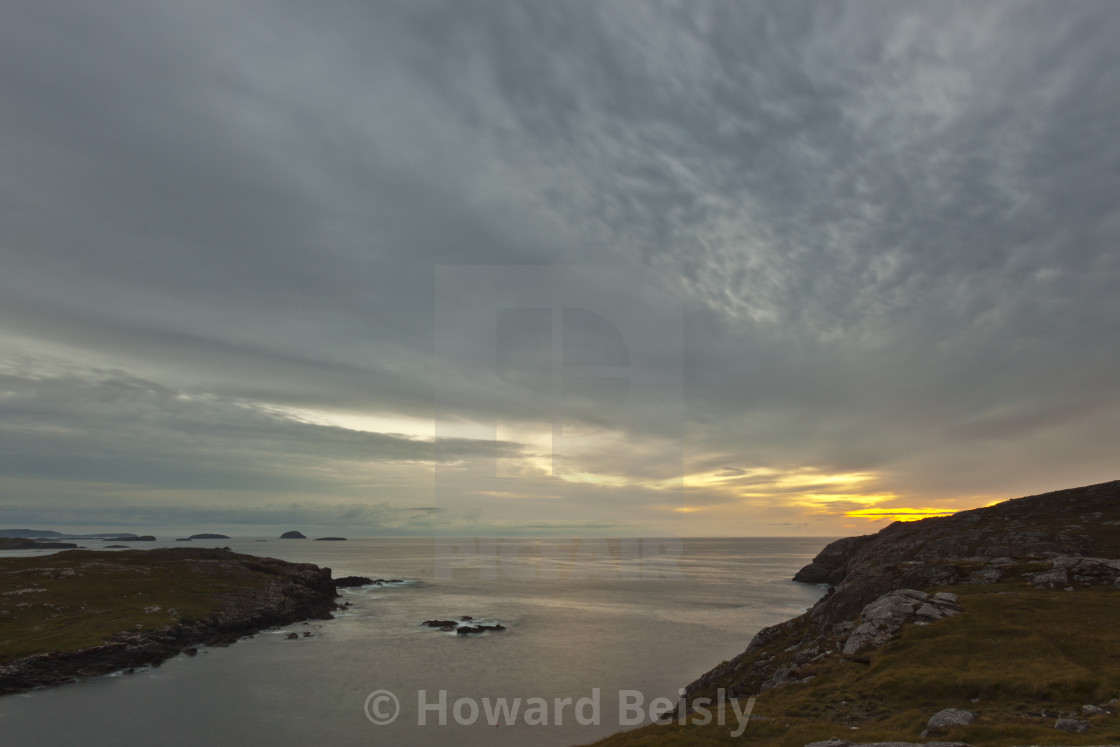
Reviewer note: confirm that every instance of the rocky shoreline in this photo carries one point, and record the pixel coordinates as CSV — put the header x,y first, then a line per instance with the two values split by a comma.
x,y
876,580
271,593
992,626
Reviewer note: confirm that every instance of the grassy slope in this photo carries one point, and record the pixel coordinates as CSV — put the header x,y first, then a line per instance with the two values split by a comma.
x,y
1016,650
77,598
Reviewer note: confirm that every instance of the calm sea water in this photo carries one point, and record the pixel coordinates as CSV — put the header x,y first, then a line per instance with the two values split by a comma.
x,y
581,614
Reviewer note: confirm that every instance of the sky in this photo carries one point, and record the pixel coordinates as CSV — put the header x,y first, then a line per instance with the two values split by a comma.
x,y
584,268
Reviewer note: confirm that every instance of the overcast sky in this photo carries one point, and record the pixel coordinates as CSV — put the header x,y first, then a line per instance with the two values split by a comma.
x,y
850,259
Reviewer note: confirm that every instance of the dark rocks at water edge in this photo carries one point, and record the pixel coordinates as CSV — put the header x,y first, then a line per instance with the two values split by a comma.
x,y
330,539
351,581
141,538
252,593
293,535
347,582
462,626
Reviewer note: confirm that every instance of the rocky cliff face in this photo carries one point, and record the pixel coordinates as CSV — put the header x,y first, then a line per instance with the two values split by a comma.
x,y
1055,540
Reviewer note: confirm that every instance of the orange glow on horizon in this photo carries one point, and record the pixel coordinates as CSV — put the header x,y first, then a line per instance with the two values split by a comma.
x,y
898,514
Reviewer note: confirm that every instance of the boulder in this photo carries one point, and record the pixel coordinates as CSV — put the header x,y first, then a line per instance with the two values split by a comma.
x,y
947,717
1072,724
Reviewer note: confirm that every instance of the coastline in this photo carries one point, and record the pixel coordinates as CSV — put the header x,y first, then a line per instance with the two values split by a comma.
x,y
991,626
220,596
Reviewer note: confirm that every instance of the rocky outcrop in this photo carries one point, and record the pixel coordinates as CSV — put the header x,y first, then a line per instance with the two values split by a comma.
x,y
347,582
293,535
932,552
881,620
830,565
1065,571
877,580
282,593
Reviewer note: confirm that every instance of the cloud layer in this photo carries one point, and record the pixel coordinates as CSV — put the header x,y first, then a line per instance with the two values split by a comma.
x,y
890,229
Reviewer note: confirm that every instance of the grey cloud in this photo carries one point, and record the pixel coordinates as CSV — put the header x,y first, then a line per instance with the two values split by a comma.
x,y
894,224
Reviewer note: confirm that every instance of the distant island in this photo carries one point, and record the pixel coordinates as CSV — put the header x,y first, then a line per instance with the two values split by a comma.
x,y
208,537
27,543
71,614
330,539
996,626
293,535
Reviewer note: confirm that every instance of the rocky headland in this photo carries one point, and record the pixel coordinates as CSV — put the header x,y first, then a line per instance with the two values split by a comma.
x,y
995,626
80,613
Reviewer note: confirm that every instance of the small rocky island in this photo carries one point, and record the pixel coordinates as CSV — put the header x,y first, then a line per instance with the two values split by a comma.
x,y
994,627
79,613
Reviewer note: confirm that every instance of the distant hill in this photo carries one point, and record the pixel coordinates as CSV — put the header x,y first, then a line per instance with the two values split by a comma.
x,y
29,533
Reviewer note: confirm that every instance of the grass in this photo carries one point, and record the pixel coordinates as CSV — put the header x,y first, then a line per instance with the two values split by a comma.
x,y
1012,654
78,598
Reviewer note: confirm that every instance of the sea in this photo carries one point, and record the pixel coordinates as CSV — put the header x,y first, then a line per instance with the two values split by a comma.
x,y
596,631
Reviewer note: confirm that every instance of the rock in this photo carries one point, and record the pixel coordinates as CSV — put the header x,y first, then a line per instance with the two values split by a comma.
x,y
330,539
208,537
292,636
466,618
350,581
293,535
1051,579
882,619
947,717
440,624
1094,710
1072,724
986,575
190,651
845,743
830,565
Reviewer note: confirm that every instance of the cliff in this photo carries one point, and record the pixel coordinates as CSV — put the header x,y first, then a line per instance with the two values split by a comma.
x,y
79,613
